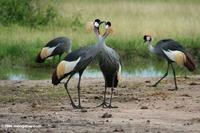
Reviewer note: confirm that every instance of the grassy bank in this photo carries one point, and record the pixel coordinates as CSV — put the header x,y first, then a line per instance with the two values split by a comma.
x,y
130,20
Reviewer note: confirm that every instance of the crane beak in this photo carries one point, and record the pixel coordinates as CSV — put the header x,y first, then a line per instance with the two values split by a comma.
x,y
102,22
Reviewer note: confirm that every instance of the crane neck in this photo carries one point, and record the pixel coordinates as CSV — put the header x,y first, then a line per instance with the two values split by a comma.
x,y
96,31
150,47
101,43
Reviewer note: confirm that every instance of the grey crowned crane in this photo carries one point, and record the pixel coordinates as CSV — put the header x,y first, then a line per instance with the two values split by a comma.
x,y
54,47
110,65
76,62
172,51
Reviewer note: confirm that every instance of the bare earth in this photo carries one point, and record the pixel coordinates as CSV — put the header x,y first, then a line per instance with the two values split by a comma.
x,y
38,106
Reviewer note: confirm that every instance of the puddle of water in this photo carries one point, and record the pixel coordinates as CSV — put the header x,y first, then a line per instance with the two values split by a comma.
x,y
37,74
129,69
88,73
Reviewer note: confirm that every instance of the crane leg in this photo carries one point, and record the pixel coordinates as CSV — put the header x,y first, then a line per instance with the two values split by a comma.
x,y
110,105
66,88
163,76
104,104
78,87
174,73
112,88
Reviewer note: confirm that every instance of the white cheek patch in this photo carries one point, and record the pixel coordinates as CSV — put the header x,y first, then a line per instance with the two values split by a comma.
x,y
148,38
107,26
96,24
46,51
65,67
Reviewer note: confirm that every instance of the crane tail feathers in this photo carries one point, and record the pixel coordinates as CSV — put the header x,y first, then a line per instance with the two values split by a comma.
x,y
55,80
63,69
39,59
181,58
190,63
59,73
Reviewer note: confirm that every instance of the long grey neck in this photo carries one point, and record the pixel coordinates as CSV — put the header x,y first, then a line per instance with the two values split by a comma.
x,y
151,48
101,43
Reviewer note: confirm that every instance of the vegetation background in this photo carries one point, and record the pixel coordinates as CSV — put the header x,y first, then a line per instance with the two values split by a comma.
x,y
27,25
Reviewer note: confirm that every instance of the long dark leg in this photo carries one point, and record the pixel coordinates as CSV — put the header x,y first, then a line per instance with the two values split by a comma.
x,y
78,87
110,105
163,76
174,73
112,88
104,97
103,104
72,103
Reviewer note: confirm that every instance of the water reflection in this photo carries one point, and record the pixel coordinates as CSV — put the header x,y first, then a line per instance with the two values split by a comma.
x,y
17,77
145,69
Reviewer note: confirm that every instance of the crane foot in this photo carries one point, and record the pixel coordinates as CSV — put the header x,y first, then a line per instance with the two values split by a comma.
x,y
154,85
75,107
103,104
175,89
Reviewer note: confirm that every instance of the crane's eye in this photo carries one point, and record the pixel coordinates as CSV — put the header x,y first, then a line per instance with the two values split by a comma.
x,y
96,24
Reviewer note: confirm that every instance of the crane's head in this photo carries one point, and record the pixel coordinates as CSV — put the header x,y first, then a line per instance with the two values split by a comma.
x,y
97,23
147,38
90,26
108,27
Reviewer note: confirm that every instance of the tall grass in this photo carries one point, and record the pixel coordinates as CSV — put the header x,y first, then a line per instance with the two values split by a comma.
x,y
130,21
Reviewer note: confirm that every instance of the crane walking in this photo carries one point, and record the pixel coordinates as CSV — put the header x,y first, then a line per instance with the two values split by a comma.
x,y
54,47
110,65
172,51
76,62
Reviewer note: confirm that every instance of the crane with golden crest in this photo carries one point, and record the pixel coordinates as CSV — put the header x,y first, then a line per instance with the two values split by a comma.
x,y
172,51
76,62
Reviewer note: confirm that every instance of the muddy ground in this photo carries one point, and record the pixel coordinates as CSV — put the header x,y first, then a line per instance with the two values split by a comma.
x,y
38,106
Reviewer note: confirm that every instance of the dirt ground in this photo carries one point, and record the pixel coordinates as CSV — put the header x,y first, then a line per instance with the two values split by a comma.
x,y
38,106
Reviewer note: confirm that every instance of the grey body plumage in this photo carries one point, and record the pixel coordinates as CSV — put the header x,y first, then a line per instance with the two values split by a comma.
x,y
172,51
167,44
109,62
76,61
61,44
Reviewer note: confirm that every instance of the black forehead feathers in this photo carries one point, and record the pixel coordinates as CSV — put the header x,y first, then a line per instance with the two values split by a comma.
x,y
108,23
97,20
145,37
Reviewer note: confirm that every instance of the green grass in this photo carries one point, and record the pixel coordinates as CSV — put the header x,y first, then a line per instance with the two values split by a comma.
x,y
130,20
